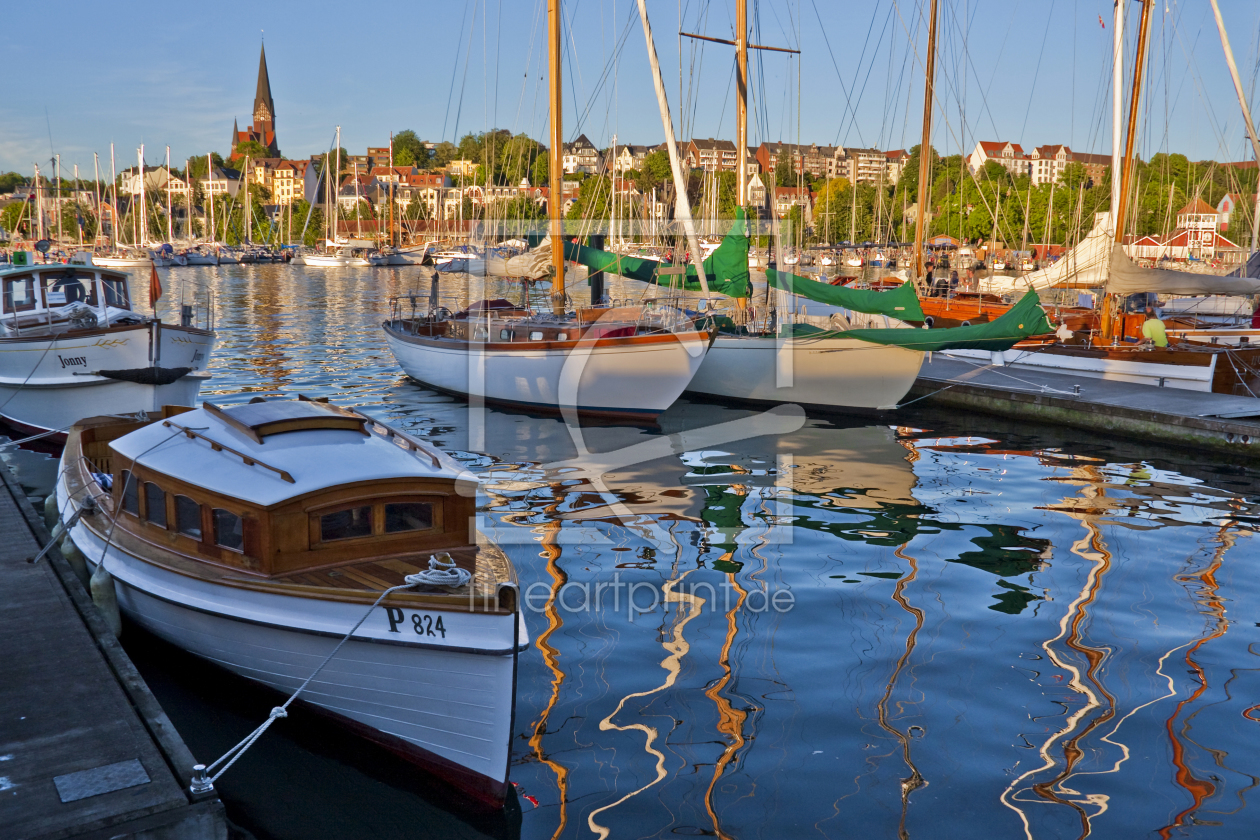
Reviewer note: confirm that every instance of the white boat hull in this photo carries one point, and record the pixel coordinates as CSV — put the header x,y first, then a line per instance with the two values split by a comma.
x,y
618,379
50,383
825,372
1185,377
446,703
121,262
327,261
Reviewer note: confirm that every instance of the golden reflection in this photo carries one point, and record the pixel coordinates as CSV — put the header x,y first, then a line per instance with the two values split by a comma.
x,y
677,647
915,780
730,719
551,656
1214,605
1092,548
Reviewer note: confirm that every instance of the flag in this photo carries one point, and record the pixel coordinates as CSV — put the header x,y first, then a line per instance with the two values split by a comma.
x,y
155,287
1100,22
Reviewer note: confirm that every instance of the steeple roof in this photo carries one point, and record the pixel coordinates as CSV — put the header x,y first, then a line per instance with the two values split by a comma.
x,y
263,94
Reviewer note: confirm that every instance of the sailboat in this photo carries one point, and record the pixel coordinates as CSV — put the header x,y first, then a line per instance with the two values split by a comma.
x,y
625,362
1099,260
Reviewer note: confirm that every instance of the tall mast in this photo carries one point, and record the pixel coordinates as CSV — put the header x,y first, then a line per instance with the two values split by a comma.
x,y
142,222
96,185
1135,101
1251,127
57,200
113,179
336,194
1117,109
249,208
680,184
214,231
555,200
741,100
170,230
925,146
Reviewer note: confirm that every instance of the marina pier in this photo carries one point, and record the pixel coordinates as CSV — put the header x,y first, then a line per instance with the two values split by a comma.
x,y
85,749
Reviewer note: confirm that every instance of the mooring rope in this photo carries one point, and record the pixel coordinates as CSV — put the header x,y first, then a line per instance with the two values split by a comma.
x,y
440,573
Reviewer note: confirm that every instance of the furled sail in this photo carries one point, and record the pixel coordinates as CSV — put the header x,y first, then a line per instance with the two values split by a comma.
x,y
532,264
726,267
1083,266
901,302
1127,277
1023,320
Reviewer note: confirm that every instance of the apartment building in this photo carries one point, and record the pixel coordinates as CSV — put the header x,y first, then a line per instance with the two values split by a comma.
x,y
1009,155
859,166
896,164
711,155
580,156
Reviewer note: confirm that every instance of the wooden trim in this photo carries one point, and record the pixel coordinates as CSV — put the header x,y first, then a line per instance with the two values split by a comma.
x,y
250,460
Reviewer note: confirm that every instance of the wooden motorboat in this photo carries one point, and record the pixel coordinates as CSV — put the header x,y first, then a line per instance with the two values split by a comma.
x,y
72,343
255,536
626,362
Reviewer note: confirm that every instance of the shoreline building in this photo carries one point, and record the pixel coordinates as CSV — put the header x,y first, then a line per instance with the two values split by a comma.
x,y
263,129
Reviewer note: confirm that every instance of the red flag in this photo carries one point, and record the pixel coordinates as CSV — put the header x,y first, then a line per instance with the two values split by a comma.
x,y
155,287
1100,22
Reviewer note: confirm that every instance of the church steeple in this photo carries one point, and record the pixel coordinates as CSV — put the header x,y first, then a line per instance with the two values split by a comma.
x,y
264,108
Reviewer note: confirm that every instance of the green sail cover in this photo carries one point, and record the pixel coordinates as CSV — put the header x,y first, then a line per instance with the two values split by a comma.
x,y
726,269
1023,320
901,302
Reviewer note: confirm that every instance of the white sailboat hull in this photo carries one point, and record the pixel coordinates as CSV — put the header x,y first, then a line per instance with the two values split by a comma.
x,y
446,703
826,372
635,378
334,261
121,262
1186,377
48,383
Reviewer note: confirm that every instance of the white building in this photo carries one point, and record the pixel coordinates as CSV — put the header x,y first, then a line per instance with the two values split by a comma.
x,y
1010,155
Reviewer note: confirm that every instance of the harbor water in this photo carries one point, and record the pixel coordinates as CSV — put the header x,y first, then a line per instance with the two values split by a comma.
x,y
950,627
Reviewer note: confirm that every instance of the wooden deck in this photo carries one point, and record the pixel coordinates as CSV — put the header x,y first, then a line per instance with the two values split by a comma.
x,y
85,749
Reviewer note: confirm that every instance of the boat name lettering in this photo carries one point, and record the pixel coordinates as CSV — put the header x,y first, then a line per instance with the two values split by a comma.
x,y
422,623
72,361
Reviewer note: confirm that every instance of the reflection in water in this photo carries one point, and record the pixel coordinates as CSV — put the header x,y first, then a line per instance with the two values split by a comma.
x,y
1001,611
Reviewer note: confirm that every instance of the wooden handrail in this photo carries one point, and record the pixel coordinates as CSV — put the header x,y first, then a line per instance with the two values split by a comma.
x,y
250,460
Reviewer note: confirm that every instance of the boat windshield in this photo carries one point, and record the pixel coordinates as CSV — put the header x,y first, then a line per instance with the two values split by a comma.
x,y
62,289
116,292
19,294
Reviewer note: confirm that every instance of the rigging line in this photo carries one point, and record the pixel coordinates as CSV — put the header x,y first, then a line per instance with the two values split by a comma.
x,y
869,68
1032,93
451,91
848,103
463,85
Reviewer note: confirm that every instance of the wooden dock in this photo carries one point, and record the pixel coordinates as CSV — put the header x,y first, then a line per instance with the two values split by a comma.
x,y
85,749
1216,422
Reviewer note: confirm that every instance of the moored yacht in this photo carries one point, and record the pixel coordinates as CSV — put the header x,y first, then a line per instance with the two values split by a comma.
x,y
255,536
72,343
629,362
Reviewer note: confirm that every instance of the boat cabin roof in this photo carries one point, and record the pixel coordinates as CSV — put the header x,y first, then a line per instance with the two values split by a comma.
x,y
270,452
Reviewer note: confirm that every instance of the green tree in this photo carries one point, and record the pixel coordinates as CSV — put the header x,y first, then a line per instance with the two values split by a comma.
x,y
407,142
784,172
657,169
444,153
254,149
403,157
10,181
541,176
10,215
197,165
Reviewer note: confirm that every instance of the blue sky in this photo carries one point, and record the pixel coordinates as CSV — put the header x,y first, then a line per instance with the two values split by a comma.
x,y
81,75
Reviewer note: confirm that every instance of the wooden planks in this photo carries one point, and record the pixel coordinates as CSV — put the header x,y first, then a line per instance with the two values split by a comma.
x,y
71,717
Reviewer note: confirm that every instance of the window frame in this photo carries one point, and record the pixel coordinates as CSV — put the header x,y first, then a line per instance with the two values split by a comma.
x,y
147,517
377,503
201,518
128,478
214,530
6,294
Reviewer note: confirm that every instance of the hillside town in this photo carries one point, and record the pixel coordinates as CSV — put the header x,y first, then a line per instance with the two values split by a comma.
x,y
410,189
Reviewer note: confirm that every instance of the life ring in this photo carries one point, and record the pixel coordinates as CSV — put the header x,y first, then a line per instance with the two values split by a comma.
x,y
929,321
966,323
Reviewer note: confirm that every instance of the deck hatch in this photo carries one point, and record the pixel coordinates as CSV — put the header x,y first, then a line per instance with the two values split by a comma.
x,y
261,419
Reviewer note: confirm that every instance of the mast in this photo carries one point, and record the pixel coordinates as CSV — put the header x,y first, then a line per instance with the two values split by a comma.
x,y
214,231
170,230
142,222
680,184
249,208
358,211
555,200
113,177
925,146
1251,127
74,190
1135,101
1117,106
96,185
336,193
741,100
57,200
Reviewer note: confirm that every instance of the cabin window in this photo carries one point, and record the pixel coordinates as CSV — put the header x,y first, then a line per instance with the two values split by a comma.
x,y
562,336
130,494
535,336
19,294
68,288
228,532
346,524
408,516
116,292
505,335
188,517
155,504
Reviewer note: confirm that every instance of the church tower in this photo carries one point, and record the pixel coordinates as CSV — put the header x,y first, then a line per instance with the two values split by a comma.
x,y
264,107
